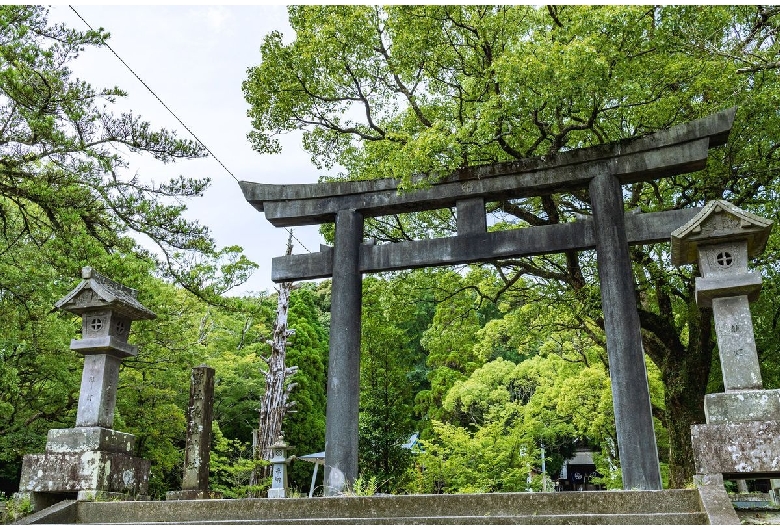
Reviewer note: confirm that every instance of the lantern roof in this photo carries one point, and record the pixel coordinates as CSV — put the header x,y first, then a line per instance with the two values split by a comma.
x,y
99,292
719,222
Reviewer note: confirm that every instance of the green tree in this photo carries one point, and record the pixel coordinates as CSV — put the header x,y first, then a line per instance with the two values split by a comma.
x,y
386,393
401,91
308,350
64,204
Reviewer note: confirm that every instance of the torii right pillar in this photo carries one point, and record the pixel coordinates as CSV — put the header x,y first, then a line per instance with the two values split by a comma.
x,y
741,438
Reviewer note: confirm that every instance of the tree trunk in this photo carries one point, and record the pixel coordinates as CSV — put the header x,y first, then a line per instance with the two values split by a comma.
x,y
685,372
275,402
685,376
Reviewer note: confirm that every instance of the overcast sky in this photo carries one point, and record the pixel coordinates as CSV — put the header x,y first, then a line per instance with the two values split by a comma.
x,y
195,58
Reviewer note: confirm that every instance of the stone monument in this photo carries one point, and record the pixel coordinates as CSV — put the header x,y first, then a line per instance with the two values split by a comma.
x,y
197,453
92,460
741,438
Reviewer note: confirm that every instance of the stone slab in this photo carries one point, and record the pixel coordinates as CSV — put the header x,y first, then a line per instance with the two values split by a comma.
x,y
197,453
108,345
641,228
736,343
715,500
97,396
718,286
80,439
649,507
734,449
192,495
742,406
87,470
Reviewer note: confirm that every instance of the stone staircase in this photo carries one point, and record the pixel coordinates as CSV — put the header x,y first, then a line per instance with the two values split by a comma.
x,y
594,507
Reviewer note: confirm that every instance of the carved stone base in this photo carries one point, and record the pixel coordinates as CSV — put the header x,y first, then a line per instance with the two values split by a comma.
x,y
741,406
91,462
737,450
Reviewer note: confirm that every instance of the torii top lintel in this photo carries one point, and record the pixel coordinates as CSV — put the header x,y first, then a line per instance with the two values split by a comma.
x,y
680,149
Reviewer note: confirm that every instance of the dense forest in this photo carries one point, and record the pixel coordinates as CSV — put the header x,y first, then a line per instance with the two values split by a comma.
x,y
486,362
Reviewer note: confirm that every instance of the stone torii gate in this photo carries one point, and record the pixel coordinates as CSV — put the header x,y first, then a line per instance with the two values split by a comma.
x,y
602,170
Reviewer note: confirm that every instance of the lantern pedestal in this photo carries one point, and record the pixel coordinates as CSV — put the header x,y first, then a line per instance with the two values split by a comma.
x,y
90,463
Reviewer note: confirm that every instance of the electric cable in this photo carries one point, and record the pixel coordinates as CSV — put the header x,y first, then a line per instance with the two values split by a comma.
x,y
152,92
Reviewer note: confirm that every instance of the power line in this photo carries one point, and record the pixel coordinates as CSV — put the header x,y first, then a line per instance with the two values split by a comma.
x,y
174,115
158,98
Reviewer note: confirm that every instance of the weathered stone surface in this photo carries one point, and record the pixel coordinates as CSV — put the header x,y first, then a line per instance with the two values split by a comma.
x,y
642,228
191,495
745,284
99,292
736,343
279,463
741,406
748,448
715,500
197,452
97,397
89,439
630,391
341,423
88,470
471,216
604,507
104,345
717,222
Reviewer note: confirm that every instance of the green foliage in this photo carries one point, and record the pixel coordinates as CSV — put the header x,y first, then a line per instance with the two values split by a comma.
x,y
494,458
420,91
386,413
363,486
231,467
14,508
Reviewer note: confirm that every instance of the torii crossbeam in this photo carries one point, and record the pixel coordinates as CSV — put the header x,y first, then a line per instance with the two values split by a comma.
x,y
602,170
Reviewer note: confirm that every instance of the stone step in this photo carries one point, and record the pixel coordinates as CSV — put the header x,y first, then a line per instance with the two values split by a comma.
x,y
600,519
596,507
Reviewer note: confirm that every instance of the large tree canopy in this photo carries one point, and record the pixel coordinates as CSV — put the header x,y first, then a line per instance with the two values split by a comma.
x,y
401,91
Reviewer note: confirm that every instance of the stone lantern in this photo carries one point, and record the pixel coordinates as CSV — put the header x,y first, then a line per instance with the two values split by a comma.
x,y
93,460
107,310
741,437
722,238
279,461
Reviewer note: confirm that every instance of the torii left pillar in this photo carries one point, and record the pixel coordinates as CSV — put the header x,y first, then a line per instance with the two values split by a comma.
x,y
341,418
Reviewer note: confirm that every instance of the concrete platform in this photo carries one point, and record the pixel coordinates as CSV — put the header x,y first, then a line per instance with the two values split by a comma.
x,y
596,507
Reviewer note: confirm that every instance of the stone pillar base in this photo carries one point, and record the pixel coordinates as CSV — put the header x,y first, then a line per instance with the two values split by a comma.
x,y
87,463
749,449
192,495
